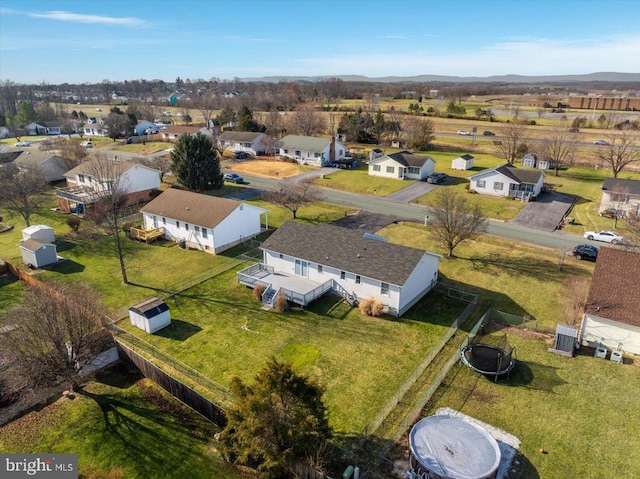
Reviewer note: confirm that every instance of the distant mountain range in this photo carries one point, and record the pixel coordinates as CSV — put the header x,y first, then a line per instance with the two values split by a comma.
x,y
590,77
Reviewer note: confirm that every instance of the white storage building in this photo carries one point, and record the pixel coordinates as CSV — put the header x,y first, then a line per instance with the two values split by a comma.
x,y
151,315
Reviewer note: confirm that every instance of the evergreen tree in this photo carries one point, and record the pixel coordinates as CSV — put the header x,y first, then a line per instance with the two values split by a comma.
x,y
194,161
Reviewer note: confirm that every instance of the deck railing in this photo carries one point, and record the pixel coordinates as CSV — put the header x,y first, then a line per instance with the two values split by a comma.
x,y
148,234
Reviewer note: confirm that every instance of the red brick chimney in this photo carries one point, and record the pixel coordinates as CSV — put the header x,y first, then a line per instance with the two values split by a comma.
x,y
332,149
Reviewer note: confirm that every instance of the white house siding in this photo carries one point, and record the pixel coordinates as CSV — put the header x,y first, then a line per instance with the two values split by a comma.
x,y
597,331
140,178
461,164
173,232
385,164
95,130
630,203
316,158
421,280
243,223
367,287
490,182
43,256
150,325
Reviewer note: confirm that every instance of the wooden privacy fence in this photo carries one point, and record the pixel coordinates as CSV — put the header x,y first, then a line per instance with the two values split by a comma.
x,y
177,389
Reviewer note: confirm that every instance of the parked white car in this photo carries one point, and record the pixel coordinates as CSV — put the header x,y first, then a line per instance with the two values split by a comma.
x,y
87,144
464,132
606,236
23,143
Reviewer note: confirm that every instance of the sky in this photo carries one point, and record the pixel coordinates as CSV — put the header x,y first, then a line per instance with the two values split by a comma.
x,y
77,41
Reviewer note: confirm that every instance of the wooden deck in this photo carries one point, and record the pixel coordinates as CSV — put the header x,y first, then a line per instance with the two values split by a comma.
x,y
146,235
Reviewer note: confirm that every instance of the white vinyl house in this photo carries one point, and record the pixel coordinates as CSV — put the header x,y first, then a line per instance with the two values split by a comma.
x,y
508,181
87,181
402,166
311,150
42,233
38,254
52,167
201,221
151,315
612,312
247,141
305,262
620,195
464,162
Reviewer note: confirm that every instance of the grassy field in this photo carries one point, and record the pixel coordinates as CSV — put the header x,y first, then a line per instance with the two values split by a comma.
x,y
358,180
145,148
517,278
122,427
220,329
583,411
269,168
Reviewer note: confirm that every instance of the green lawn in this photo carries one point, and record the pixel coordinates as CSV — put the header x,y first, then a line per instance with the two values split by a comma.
x,y
146,148
219,329
583,411
359,181
122,427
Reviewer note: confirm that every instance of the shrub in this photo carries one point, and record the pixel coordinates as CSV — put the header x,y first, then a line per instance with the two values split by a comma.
x,y
280,303
371,307
258,290
74,223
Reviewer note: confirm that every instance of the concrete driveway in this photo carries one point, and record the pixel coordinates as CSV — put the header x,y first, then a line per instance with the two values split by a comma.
x,y
412,192
367,222
546,212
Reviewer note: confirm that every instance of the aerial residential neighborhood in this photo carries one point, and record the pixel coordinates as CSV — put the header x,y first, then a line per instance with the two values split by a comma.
x,y
302,242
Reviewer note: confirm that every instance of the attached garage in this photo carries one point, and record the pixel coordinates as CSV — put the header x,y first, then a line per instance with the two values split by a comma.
x,y
151,315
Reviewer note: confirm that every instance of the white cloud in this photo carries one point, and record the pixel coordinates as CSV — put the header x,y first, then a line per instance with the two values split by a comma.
x,y
79,18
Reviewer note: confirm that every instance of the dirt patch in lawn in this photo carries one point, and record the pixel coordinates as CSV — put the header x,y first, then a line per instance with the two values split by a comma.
x,y
263,166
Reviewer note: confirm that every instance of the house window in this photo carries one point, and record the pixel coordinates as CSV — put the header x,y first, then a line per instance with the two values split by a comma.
x,y
317,155
280,255
177,225
414,171
301,268
164,221
384,289
481,183
204,233
186,226
376,167
241,207
297,152
343,275
498,185
286,152
197,229
391,169
320,268
357,279
81,178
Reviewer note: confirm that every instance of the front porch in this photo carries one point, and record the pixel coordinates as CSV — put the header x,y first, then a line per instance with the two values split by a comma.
x,y
523,192
296,289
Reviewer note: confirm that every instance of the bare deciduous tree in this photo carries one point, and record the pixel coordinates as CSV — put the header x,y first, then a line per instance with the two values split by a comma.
x,y
621,151
394,124
56,332
558,146
512,145
306,121
453,220
207,104
161,163
576,292
21,190
291,195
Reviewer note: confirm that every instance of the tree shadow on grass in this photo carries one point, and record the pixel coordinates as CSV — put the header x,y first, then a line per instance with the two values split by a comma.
x,y
178,330
517,266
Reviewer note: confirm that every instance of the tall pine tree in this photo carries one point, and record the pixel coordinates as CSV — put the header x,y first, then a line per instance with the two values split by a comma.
x,y
195,163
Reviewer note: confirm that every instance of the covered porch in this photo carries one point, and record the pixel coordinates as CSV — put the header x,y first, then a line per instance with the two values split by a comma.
x,y
296,289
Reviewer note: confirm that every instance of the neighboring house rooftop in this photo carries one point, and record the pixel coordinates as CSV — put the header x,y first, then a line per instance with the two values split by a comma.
x,y
9,156
516,174
631,187
406,158
614,289
150,308
36,158
347,250
182,129
189,207
304,143
249,136
92,167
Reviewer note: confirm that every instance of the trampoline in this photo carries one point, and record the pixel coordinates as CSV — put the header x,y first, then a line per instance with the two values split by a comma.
x,y
492,360
449,447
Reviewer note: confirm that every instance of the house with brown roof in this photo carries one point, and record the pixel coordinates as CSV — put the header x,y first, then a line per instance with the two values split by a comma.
x,y
174,132
201,221
508,181
52,166
254,143
620,195
402,166
612,311
305,262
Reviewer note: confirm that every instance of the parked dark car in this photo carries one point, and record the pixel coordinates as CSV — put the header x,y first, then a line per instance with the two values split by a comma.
x,y
488,133
436,178
234,178
585,251
239,155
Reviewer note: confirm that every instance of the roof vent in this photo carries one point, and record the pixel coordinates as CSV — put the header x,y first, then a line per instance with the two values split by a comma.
x,y
187,208
358,255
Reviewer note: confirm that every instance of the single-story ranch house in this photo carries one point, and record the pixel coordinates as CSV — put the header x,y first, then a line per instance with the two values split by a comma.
x,y
508,181
174,132
621,195
402,166
612,312
304,262
311,150
247,141
52,166
87,182
201,221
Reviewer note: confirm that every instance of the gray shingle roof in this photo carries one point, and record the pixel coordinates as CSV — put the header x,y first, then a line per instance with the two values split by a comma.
x,y
32,244
249,136
150,308
521,176
192,208
304,143
409,159
616,185
347,250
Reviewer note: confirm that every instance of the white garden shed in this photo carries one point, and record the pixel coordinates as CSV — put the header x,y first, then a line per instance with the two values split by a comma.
x,y
464,162
42,233
151,315
37,253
